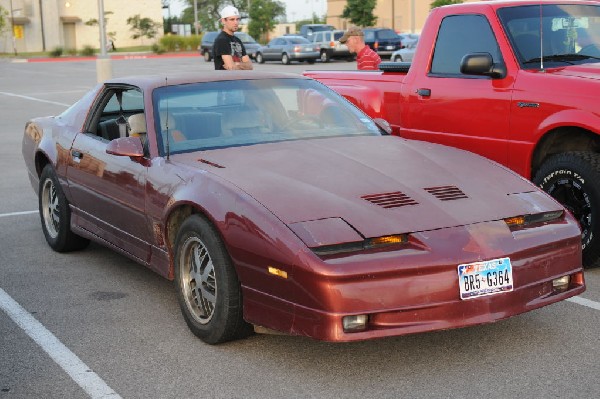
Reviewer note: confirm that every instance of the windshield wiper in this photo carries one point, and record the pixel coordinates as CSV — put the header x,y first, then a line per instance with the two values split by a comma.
x,y
568,58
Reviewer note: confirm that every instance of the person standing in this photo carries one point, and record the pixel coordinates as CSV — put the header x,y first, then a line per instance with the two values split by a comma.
x,y
366,58
228,50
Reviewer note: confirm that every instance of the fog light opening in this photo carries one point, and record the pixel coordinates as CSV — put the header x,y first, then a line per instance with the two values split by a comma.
x,y
561,284
355,323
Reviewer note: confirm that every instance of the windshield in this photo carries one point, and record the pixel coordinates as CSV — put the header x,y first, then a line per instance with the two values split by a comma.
x,y
210,115
555,34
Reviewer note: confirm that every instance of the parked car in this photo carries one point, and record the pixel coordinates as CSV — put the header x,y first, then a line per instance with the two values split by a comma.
x,y
329,45
384,41
208,40
408,39
273,201
406,53
308,30
287,49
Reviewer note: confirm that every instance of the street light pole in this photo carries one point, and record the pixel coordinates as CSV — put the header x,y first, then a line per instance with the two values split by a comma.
x,y
103,63
12,27
196,16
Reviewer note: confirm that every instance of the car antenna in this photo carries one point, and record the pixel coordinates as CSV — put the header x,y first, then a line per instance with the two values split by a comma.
x,y
167,122
541,38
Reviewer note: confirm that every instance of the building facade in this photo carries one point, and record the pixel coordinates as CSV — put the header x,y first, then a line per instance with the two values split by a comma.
x,y
401,15
42,25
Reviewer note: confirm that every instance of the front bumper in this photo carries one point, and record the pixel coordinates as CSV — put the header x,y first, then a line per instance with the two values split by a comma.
x,y
415,289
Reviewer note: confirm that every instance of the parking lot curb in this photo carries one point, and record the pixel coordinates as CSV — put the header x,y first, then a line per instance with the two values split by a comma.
x,y
124,56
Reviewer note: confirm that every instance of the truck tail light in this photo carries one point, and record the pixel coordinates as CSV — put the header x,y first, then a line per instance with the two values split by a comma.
x,y
376,45
332,44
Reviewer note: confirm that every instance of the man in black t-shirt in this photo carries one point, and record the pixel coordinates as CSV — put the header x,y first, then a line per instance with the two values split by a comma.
x,y
228,50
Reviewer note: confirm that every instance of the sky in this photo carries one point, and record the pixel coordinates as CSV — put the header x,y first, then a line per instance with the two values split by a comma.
x,y
296,9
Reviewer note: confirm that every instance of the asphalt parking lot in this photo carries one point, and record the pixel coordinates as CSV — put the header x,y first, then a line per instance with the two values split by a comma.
x,y
112,328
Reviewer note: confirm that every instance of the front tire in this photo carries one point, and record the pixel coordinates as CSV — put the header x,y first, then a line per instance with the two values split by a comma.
x,y
573,179
208,289
207,56
259,58
55,214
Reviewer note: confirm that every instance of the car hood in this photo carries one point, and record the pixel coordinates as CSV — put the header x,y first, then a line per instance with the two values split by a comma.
x,y
378,185
587,71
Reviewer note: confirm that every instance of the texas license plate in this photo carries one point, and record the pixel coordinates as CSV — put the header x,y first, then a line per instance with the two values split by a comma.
x,y
485,278
389,47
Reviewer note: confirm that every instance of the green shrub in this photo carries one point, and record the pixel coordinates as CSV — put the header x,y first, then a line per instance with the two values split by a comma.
x,y
56,52
193,42
88,51
158,49
72,51
180,43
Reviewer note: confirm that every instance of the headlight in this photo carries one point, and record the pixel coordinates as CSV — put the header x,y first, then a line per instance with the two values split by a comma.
x,y
538,218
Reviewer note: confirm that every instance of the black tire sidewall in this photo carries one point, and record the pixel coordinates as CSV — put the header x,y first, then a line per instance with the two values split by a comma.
x,y
583,170
227,319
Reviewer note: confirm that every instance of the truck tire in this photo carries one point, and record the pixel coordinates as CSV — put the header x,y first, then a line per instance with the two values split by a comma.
x,y
573,179
325,56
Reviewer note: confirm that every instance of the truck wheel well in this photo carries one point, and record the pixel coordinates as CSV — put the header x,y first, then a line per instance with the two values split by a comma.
x,y
562,140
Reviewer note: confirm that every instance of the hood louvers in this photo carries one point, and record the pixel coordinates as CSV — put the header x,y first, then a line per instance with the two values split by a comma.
x,y
390,200
446,193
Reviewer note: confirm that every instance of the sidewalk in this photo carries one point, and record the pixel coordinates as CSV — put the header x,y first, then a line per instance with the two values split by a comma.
x,y
112,56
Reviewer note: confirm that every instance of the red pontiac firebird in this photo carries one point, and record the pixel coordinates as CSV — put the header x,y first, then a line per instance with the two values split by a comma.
x,y
275,203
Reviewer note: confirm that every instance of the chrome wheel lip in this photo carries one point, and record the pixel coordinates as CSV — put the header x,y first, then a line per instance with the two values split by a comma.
x,y
198,280
50,208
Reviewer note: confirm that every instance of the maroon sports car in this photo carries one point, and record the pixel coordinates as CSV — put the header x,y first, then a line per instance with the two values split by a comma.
x,y
275,203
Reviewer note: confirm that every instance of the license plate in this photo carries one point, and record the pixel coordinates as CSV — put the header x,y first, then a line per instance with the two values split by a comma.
x,y
485,278
309,49
389,47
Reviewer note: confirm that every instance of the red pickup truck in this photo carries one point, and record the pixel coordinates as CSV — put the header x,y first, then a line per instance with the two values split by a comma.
x,y
514,81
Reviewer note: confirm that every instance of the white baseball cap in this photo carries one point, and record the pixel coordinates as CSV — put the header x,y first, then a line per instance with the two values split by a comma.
x,y
229,11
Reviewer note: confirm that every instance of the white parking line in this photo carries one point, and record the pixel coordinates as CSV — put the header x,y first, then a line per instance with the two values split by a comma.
x,y
89,381
584,302
34,99
5,215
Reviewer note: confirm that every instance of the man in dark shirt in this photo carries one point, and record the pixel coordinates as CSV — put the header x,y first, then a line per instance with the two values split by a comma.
x,y
229,51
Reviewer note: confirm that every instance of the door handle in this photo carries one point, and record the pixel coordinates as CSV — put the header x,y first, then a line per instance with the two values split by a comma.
x,y
424,92
76,154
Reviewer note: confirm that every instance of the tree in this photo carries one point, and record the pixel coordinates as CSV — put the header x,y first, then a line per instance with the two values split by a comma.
x,y
3,19
360,12
439,3
111,35
143,27
263,16
314,20
208,12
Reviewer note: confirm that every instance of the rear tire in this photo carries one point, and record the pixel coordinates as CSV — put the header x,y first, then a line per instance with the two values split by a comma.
x,y
208,288
573,179
285,59
55,214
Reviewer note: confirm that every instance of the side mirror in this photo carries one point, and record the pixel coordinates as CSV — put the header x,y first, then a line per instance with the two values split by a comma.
x,y
126,147
383,125
482,64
